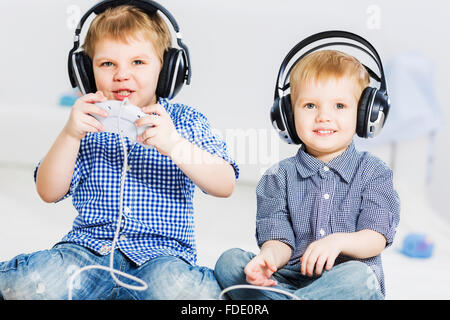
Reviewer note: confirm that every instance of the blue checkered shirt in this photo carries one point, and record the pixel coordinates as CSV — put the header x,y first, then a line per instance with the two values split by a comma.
x,y
302,199
158,214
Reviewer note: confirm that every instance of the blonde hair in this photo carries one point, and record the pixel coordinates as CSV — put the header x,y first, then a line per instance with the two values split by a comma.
x,y
322,65
124,22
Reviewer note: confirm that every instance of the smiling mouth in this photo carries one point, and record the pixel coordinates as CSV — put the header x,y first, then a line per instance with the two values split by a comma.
x,y
122,94
323,132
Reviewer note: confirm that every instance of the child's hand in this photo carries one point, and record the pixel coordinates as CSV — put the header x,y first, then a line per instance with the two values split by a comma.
x,y
80,121
259,270
320,253
163,135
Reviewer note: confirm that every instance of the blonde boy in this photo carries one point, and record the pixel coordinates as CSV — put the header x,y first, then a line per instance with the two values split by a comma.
x,y
324,215
156,241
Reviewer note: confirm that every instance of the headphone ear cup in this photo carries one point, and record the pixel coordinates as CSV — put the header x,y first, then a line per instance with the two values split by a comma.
x,y
172,75
275,116
363,111
382,104
71,70
180,73
86,72
286,109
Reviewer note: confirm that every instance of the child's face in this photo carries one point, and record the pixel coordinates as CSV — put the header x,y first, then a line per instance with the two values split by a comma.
x,y
127,70
325,116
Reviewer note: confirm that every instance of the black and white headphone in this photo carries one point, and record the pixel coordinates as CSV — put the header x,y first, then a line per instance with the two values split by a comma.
x,y
373,105
176,69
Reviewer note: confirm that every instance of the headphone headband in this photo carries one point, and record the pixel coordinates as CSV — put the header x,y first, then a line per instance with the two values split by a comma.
x,y
147,6
332,34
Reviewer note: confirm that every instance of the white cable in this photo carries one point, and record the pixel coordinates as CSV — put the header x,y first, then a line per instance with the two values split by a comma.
x,y
249,286
111,269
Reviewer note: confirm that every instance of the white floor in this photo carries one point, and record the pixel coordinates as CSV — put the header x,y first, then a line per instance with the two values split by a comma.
x,y
28,224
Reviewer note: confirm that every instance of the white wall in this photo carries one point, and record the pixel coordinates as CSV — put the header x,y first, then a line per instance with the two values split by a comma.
x,y
236,49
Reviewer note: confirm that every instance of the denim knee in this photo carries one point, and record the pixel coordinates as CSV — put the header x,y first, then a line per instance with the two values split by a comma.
x,y
361,279
351,280
31,276
229,268
171,278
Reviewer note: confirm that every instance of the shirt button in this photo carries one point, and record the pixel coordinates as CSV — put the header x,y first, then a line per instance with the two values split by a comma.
x,y
123,237
326,168
127,210
128,168
326,196
322,232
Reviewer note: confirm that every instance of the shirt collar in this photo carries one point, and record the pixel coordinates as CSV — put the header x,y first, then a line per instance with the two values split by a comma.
x,y
345,164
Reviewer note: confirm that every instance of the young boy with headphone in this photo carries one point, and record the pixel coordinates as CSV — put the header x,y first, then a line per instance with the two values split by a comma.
x,y
324,215
127,54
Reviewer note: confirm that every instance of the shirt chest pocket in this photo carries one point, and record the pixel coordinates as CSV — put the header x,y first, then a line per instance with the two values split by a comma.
x,y
345,217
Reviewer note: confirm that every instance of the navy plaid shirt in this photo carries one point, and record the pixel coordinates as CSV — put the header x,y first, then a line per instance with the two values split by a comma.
x,y
158,217
302,199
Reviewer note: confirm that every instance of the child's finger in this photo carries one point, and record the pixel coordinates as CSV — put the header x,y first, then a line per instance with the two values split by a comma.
x,y
270,266
155,109
330,263
147,134
93,97
304,261
265,282
93,124
94,109
249,267
320,263
250,276
100,94
312,259
87,97
86,127
151,120
253,277
270,283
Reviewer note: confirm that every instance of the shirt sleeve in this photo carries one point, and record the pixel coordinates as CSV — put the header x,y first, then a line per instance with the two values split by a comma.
x,y
380,205
75,177
200,133
273,221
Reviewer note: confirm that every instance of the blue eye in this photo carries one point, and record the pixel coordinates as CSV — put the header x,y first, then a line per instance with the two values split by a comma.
x,y
138,62
340,106
310,106
107,64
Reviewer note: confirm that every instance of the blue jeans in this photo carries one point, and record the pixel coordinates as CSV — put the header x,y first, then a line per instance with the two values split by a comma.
x,y
45,275
351,280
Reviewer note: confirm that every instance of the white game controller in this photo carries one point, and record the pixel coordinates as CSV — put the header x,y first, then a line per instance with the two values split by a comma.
x,y
128,114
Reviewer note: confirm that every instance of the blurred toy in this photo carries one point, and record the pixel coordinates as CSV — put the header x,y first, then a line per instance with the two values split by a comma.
x,y
68,99
417,245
